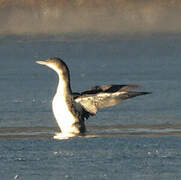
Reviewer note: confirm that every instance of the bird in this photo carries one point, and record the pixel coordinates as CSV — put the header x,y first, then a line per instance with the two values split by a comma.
x,y
71,109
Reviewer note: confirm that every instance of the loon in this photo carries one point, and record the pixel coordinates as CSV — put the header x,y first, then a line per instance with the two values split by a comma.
x,y
71,109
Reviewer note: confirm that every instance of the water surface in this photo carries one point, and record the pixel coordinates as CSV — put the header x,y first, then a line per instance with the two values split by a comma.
x,y
137,139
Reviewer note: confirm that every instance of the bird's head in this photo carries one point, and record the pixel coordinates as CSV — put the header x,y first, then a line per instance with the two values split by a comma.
x,y
56,64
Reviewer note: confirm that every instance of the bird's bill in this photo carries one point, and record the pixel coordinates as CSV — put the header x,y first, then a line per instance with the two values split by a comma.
x,y
41,62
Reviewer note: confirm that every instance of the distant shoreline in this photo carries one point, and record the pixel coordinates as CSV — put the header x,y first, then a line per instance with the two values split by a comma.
x,y
89,17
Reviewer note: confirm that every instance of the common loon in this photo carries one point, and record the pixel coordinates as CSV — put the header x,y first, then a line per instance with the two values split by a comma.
x,y
71,109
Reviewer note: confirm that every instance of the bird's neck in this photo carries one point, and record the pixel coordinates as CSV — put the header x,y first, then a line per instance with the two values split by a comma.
x,y
64,88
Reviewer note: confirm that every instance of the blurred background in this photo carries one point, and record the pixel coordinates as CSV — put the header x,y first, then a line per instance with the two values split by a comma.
x,y
82,17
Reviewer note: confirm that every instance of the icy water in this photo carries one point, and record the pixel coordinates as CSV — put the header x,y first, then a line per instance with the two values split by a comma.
x,y
137,139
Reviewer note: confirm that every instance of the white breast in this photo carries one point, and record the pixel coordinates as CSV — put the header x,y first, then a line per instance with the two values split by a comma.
x,y
63,115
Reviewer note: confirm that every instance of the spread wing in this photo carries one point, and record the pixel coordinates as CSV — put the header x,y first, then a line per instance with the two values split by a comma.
x,y
104,96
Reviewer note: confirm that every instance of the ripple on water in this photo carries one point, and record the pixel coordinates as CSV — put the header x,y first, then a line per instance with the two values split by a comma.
x,y
92,131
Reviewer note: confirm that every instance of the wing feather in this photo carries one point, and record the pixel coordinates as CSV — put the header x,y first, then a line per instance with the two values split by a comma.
x,y
109,88
104,96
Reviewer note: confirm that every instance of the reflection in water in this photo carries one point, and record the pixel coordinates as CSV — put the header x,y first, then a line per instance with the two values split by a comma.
x,y
92,131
